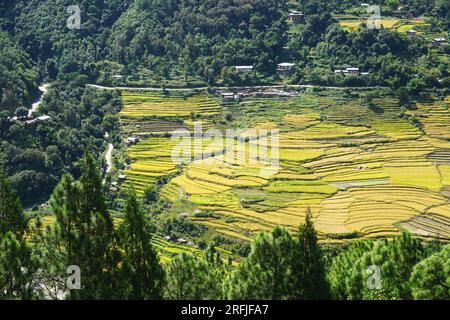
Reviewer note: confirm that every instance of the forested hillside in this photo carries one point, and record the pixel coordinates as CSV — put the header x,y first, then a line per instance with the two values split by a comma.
x,y
18,76
196,43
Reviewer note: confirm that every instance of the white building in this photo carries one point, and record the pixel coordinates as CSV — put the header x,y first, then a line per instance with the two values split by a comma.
x,y
244,69
285,67
352,71
132,140
296,16
411,33
438,42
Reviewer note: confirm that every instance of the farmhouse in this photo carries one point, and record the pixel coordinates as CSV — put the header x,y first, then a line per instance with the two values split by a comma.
x,y
438,42
244,69
122,178
411,33
296,16
231,96
113,190
285,67
132,140
117,78
353,71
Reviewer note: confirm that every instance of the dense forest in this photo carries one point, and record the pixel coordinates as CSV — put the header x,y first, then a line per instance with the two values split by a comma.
x,y
118,260
190,43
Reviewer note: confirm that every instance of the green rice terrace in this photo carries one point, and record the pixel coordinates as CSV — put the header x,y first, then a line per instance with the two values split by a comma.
x,y
365,167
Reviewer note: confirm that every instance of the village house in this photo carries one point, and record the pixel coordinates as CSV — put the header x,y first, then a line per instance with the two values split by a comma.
x,y
132,140
350,71
411,33
285,67
117,78
244,69
231,96
353,71
296,16
438,42
122,178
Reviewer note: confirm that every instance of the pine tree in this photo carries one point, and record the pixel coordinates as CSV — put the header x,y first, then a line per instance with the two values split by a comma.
x,y
191,278
143,272
84,235
12,217
17,269
308,271
430,278
266,273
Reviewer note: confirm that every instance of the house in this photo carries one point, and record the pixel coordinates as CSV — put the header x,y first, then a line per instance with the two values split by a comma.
x,y
182,241
364,4
122,178
113,190
117,78
411,33
184,215
438,42
285,67
132,140
244,69
352,71
231,96
276,94
168,238
296,16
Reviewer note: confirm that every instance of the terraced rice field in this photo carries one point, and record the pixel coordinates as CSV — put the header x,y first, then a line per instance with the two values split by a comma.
x,y
155,113
362,173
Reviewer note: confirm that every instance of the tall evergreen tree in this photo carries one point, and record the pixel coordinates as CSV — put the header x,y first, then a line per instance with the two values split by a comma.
x,y
12,217
191,278
85,234
266,273
144,274
308,271
17,269
430,278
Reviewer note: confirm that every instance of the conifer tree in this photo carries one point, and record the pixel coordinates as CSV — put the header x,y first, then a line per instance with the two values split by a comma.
x,y
143,272
430,278
191,278
17,269
11,214
266,273
308,271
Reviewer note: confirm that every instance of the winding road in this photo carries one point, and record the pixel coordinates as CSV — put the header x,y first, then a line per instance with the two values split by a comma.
x,y
292,86
34,107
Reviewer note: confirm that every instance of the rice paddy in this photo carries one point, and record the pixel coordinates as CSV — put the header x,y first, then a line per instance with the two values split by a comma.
x,y
362,173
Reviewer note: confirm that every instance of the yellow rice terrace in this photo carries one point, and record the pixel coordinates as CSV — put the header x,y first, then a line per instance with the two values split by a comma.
x,y
363,165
